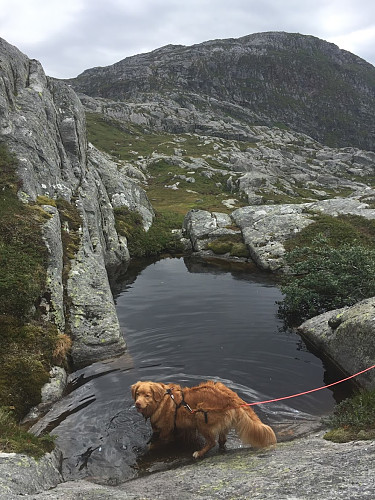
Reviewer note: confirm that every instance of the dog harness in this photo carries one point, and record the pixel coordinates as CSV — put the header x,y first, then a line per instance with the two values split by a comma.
x,y
185,405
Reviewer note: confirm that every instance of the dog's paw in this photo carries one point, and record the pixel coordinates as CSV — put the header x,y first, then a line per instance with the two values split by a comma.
x,y
196,454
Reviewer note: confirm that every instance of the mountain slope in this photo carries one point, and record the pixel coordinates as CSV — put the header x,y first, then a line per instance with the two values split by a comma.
x,y
274,78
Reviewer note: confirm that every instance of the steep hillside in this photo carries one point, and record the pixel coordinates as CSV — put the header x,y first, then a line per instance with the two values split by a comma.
x,y
274,79
43,124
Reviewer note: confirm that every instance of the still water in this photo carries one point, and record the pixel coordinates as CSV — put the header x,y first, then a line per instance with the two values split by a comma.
x,y
186,321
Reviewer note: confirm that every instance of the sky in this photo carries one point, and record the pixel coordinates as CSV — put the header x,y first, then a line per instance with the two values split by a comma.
x,y
69,36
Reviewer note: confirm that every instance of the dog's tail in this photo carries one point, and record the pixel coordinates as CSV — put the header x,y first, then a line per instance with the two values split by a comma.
x,y
251,429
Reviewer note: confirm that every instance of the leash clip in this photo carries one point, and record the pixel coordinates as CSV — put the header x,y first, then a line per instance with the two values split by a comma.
x,y
185,405
169,392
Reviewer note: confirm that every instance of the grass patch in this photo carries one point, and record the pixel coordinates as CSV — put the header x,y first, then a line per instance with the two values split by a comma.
x,y
125,143
353,419
128,144
206,193
14,439
159,238
301,194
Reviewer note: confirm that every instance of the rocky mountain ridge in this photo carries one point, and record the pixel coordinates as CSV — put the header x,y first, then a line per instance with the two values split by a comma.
x,y
273,78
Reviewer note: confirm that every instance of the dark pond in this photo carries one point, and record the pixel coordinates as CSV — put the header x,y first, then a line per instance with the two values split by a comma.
x,y
187,321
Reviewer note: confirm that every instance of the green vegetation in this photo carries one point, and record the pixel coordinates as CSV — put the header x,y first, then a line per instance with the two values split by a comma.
x,y
14,439
353,419
205,192
159,238
231,244
332,265
29,346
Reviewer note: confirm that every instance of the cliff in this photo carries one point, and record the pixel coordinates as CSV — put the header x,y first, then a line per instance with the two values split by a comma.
x,y
43,123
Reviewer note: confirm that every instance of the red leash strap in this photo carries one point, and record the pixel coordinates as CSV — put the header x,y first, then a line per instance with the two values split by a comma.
x,y
312,390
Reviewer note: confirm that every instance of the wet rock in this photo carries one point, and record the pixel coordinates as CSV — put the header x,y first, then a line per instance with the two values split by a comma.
x,y
305,468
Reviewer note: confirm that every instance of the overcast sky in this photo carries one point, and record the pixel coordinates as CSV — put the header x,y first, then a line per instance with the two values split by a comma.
x,y
69,36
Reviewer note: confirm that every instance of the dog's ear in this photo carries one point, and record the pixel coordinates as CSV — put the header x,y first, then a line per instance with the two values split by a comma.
x,y
158,391
134,388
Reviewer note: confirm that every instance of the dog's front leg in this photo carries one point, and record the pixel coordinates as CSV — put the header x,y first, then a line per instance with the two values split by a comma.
x,y
164,431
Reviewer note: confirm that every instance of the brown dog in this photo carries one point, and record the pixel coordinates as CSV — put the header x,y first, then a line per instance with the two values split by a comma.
x,y
211,409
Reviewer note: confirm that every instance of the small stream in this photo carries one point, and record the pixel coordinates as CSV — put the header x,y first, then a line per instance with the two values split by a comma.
x,y
187,320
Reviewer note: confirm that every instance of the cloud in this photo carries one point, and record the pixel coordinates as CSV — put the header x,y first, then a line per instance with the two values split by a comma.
x,y
69,36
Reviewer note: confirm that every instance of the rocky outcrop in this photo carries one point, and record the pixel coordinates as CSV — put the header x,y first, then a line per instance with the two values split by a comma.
x,y
258,165
265,228
347,336
202,227
308,468
274,78
43,123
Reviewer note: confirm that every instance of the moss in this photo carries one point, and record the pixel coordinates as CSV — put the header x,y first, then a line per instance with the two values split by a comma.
x,y
239,250
45,200
343,435
231,244
220,247
29,348
14,438
353,419
159,238
28,353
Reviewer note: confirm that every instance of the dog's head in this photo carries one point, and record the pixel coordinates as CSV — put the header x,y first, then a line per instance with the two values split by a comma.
x,y
147,396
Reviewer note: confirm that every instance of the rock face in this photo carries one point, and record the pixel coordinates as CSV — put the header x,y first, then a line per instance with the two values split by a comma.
x,y
308,468
265,228
347,336
272,78
202,227
43,123
23,475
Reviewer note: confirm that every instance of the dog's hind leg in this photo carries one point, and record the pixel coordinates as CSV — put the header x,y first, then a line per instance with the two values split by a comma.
x,y
222,439
209,443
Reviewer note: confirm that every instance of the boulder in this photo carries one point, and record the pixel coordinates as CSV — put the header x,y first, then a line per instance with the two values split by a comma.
x,y
202,227
347,337
21,475
265,228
